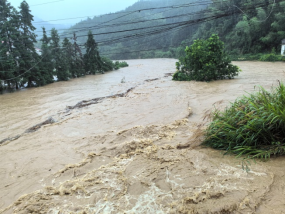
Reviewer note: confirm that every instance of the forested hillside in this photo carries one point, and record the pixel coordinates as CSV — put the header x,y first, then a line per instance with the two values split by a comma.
x,y
254,27
150,29
146,29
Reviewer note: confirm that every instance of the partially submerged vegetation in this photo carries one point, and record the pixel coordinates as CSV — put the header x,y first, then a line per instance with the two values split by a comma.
x,y
22,65
205,60
253,126
122,64
268,57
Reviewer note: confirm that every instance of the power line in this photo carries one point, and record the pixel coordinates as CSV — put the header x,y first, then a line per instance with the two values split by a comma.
x,y
45,3
31,67
138,22
258,20
195,13
140,10
153,32
25,71
182,23
104,23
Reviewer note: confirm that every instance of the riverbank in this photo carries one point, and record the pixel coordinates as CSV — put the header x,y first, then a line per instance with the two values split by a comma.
x,y
135,153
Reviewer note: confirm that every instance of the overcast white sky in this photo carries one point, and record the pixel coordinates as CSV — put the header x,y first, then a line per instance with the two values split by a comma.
x,y
72,8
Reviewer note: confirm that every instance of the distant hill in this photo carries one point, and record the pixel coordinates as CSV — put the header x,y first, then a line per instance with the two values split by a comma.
x,y
39,23
146,29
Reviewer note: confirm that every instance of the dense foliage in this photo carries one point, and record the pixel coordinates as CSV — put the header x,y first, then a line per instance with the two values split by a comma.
x,y
92,59
120,65
250,27
246,27
144,33
253,125
205,60
24,65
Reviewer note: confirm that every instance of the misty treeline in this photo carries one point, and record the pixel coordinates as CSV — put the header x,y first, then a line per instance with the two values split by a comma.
x,y
24,65
246,27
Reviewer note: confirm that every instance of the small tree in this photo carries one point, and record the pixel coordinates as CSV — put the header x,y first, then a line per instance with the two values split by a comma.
x,y
77,69
46,62
25,46
9,34
67,55
92,58
58,60
205,60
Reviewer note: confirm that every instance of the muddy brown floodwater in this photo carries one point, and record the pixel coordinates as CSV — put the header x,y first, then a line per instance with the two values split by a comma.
x,y
102,145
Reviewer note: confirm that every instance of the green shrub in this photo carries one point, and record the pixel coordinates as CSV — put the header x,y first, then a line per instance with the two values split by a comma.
x,y
246,57
253,125
179,76
148,55
123,64
107,64
206,60
163,54
272,57
118,65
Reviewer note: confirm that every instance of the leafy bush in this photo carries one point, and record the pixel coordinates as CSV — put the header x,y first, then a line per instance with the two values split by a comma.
x,y
205,60
253,125
179,76
272,57
163,54
107,64
118,65
246,57
148,55
123,64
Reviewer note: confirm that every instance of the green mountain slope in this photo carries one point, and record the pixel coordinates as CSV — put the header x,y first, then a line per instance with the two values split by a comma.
x,y
142,27
254,26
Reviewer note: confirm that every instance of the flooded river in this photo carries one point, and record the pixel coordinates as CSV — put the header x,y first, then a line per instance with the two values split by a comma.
x,y
128,142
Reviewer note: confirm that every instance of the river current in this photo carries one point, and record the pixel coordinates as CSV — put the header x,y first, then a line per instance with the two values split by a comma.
x,y
128,142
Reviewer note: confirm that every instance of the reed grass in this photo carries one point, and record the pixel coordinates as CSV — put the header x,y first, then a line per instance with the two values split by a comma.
x,y
252,127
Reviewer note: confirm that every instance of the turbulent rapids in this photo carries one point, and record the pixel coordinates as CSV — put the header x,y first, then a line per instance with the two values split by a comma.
x,y
102,145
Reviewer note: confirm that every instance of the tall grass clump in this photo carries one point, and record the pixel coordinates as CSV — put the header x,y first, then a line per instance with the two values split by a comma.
x,y
252,127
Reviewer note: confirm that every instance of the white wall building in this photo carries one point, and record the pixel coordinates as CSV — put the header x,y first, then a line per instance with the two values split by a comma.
x,y
283,47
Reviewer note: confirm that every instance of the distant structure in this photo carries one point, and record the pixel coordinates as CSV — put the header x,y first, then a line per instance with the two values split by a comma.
x,y
283,47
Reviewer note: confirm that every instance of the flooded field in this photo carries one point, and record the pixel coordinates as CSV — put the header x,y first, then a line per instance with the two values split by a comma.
x,y
128,142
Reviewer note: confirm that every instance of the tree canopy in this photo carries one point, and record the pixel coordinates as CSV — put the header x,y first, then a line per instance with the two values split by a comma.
x,y
22,64
205,60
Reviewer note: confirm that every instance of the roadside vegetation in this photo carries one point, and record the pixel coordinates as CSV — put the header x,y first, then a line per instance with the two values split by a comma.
x,y
252,127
